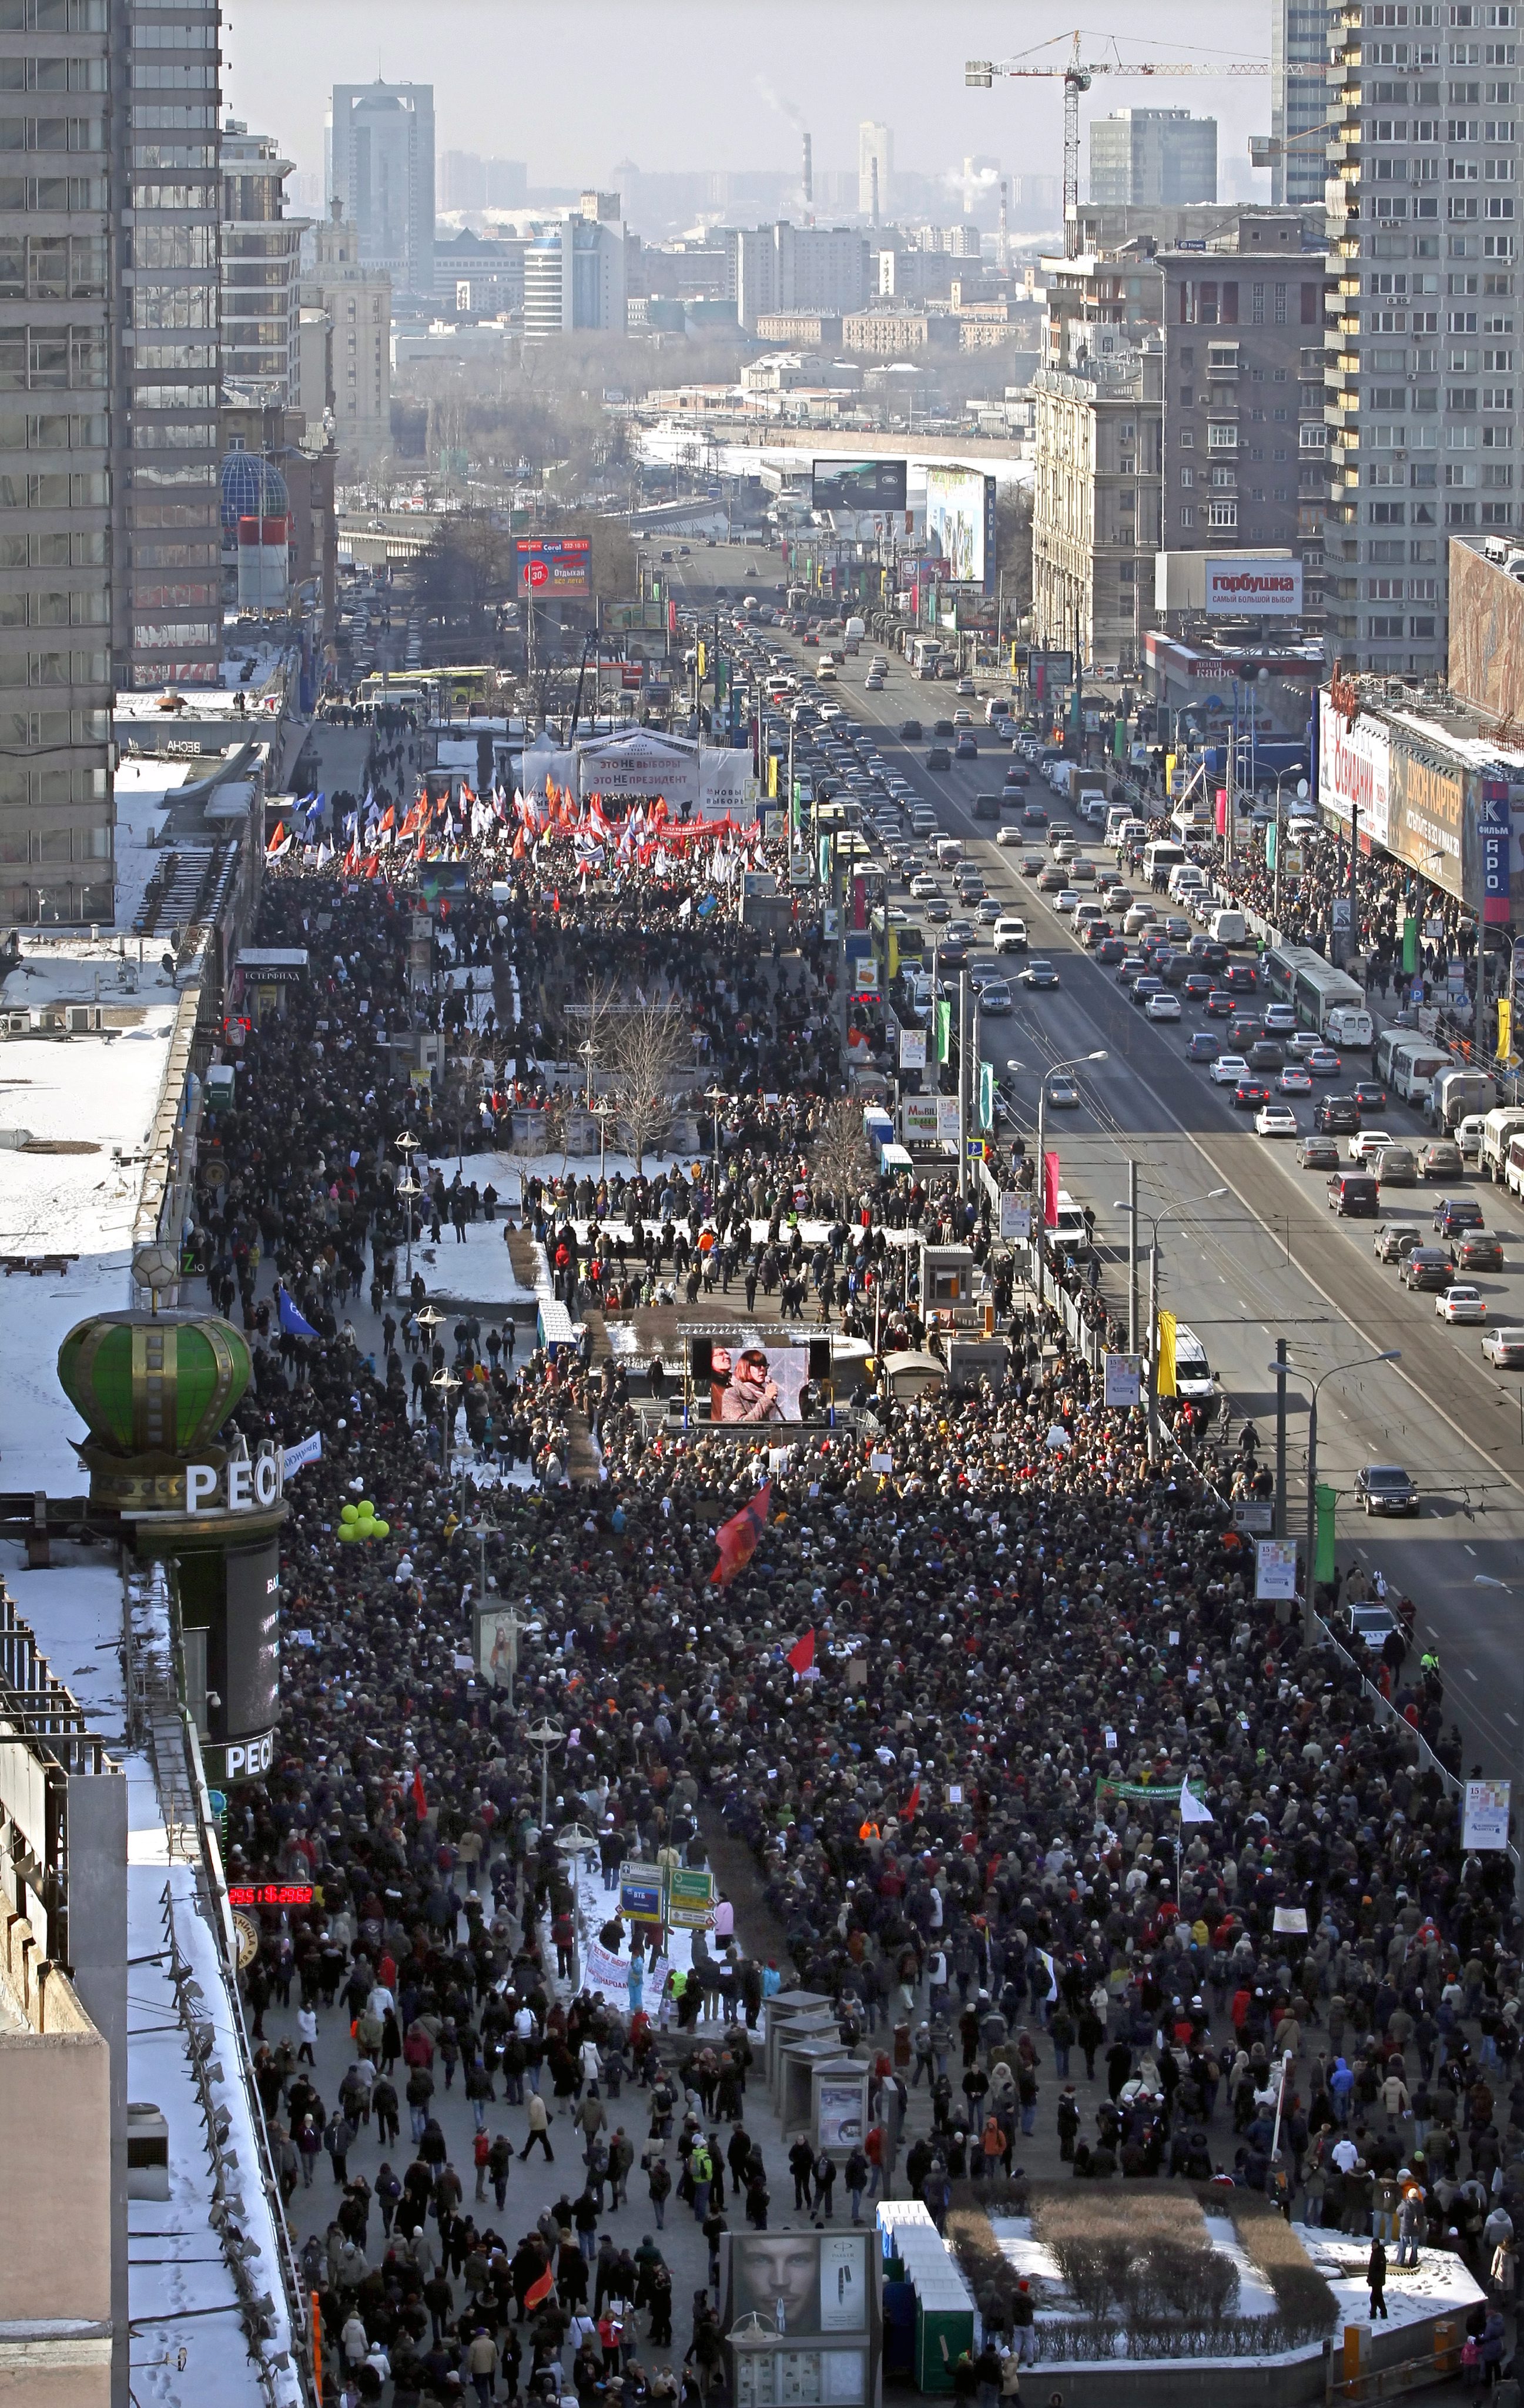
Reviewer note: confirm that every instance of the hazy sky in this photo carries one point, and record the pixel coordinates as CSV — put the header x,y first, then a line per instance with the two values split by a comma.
x,y
571,85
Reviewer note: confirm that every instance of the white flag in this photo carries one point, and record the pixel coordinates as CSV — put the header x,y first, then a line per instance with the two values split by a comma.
x,y
1192,1809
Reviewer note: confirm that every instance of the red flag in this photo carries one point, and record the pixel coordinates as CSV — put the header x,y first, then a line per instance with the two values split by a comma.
x,y
737,1538
801,1654
1050,1191
908,1811
540,2289
419,1799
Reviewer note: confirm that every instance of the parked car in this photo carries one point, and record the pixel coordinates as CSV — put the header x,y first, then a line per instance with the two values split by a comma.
x,y
1386,1489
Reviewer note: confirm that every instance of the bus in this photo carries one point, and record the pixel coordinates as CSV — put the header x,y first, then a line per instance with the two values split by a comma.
x,y
1282,964
925,652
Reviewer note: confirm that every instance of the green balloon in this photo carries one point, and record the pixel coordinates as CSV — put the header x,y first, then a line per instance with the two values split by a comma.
x,y
348,1513
382,1528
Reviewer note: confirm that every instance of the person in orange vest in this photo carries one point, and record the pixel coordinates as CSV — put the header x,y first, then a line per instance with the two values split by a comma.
x,y
869,1831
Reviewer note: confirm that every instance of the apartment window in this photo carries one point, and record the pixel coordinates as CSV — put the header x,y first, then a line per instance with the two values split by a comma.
x,y
1222,438
1257,304
1223,514
1188,478
1188,516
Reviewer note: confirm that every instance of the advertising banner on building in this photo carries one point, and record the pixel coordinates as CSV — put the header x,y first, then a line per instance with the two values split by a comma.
x,y
1354,771
960,522
1485,1822
1429,820
1495,820
554,567
1262,588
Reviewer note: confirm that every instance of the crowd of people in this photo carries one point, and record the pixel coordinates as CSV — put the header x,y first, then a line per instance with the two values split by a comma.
x,y
1030,1642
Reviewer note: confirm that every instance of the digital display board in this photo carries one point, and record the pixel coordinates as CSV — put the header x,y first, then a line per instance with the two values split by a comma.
x,y
960,525
269,1893
857,485
554,567
251,1674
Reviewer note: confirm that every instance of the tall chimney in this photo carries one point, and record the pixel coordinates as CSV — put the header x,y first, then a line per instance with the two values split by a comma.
x,y
1004,252
809,174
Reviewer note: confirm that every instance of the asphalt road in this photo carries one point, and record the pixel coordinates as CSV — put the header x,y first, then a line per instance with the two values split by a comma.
x,y
1264,1261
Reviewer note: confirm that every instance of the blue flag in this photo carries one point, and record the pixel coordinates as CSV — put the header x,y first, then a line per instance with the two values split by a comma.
x,y
291,1322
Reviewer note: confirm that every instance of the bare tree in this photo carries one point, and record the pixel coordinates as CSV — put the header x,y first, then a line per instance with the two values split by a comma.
x,y
597,1017
650,1045
842,1160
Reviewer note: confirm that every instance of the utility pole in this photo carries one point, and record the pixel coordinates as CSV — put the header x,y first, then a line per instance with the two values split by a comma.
x,y
962,1084
1153,1349
1309,1610
1279,1521
1131,1257
1354,856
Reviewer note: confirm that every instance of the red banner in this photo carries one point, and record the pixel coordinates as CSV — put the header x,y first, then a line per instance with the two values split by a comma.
x,y
1222,810
1050,1191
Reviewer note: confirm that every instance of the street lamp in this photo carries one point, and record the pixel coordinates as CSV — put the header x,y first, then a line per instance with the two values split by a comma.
x,y
1360,1362
447,1384
1075,1062
545,1735
604,1112
587,1053
1155,1220
408,1187
715,1096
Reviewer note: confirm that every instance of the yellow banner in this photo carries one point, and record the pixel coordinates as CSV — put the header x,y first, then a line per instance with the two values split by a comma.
x,y
772,774
1164,1371
704,660
1505,1029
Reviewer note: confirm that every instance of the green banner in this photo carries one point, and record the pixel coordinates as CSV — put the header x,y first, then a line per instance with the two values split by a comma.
x,y
1326,1500
1156,1793
1410,945
1272,844
986,1095
944,1031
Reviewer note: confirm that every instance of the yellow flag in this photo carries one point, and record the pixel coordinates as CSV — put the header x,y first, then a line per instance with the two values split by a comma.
x,y
772,774
704,660
1505,1029
1164,1371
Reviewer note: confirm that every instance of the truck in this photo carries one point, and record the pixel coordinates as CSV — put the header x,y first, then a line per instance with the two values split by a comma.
x,y
1513,1167
949,852
1499,1127
925,652
1074,782
1455,1093
852,635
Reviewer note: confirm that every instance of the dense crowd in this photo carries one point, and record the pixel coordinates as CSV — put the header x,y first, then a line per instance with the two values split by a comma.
x,y
964,1821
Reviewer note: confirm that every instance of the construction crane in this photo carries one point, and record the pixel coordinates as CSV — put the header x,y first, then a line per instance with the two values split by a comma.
x,y
1077,74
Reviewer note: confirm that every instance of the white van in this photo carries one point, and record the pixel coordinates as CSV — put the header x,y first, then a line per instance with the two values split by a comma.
x,y
1118,815
1070,1233
1187,879
1413,1072
1227,928
949,852
1348,1026
1194,1376
1162,854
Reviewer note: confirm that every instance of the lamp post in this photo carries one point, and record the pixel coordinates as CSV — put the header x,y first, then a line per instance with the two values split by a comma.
x,y
604,1112
1484,1580
587,1052
1335,1371
714,1097
408,1187
546,1735
1156,1220
1075,1062
447,1384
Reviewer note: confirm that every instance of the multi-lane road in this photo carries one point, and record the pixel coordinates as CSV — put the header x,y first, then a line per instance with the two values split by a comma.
x,y
1267,1259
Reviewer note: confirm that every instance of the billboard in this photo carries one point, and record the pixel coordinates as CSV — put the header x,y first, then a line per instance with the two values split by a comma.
x,y
1354,771
858,484
1432,827
1486,631
553,568
960,522
817,2294
1261,589
750,1381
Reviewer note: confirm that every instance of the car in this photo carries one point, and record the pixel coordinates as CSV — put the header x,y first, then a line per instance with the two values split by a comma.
x,y
1032,864
1479,1250
943,727
1015,778
995,998
1505,1348
1227,1069
910,731
1010,837
1110,950
1266,1055
1386,1489
1336,1115
1304,1043
988,912
1462,1302
1242,1031
874,684
1371,1095
952,953
1010,934
1062,1092
1249,1093
1395,1241
1274,1119
1033,815
939,757
1453,1213
1203,1047
1370,1625
924,885
1369,1142
964,685
1280,1019
1241,978
1211,956
1440,1159
1294,1080
1323,1062
1198,985
966,748
1427,1266
1051,880
1067,899
962,718
1317,1153
1220,1003
1162,1007
1130,969
937,909
1039,973
981,970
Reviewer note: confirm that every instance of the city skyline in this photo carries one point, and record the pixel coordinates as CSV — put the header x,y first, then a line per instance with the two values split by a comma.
x,y
690,105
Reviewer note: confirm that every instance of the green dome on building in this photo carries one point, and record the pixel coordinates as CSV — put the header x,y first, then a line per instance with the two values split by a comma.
x,y
153,1384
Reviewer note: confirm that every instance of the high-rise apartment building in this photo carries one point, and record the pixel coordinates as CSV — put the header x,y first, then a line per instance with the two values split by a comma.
x,y
347,340
380,168
874,170
1299,32
1163,156
55,665
786,266
574,279
260,268
1426,111
168,618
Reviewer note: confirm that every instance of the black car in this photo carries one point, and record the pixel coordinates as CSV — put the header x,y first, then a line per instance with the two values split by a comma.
x,y
1250,1095
1206,951
966,749
1144,987
1198,985
986,807
1369,1095
939,757
1266,1055
910,731
1110,950
1427,1266
1386,1489
943,727
1336,1116
1453,1213
952,953
1039,973
1015,776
